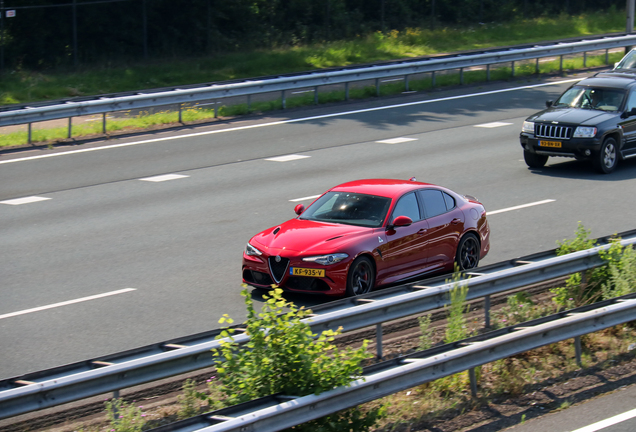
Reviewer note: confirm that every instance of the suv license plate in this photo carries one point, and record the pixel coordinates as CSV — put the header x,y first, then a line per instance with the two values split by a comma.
x,y
309,272
556,144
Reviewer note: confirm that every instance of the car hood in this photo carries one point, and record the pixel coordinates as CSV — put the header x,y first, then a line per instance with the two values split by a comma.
x,y
308,236
573,116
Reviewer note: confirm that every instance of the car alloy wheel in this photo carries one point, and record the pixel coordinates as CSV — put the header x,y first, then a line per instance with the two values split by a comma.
x,y
361,277
607,158
468,252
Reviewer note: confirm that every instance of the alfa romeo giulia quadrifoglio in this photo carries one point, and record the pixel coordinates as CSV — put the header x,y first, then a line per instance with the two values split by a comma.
x,y
366,234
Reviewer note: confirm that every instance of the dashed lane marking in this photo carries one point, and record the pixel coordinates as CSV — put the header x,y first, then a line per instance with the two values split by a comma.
x,y
66,303
165,177
286,158
396,140
307,198
520,207
493,125
25,200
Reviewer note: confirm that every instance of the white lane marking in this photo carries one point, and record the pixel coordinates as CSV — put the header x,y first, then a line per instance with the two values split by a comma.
x,y
520,207
79,300
608,422
493,125
282,122
305,198
396,140
165,177
25,200
286,158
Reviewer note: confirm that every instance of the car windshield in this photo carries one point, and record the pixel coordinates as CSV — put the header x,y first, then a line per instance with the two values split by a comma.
x,y
627,62
605,99
349,208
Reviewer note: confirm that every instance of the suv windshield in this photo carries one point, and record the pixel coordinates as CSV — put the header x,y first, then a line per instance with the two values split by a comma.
x,y
605,99
349,208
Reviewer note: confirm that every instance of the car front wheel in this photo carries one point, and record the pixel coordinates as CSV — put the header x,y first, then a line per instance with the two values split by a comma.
x,y
361,277
606,159
467,256
534,160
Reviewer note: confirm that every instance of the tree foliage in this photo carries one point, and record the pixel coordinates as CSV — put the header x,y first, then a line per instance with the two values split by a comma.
x,y
45,33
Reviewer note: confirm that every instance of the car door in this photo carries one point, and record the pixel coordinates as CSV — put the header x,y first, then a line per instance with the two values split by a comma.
x,y
404,251
629,124
445,227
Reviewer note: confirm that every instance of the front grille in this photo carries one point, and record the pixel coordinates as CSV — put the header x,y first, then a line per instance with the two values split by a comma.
x,y
552,131
306,284
278,269
256,277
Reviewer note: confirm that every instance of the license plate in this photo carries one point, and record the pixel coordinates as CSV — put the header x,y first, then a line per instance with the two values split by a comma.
x,y
556,144
309,272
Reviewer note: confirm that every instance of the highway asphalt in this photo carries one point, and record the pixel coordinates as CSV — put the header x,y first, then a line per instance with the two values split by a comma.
x,y
113,245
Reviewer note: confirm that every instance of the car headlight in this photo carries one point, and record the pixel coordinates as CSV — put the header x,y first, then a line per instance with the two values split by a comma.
x,y
327,259
585,132
251,250
528,127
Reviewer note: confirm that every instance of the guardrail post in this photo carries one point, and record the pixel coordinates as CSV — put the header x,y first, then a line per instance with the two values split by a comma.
x,y
70,126
473,382
433,78
316,95
584,58
406,83
378,340
282,98
578,350
216,111
606,56
487,72
346,91
536,66
513,69
104,123
487,311
461,76
561,63
377,87
249,102
30,133
180,116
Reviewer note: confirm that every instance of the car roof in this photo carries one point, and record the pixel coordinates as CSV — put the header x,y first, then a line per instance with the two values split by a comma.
x,y
619,80
391,188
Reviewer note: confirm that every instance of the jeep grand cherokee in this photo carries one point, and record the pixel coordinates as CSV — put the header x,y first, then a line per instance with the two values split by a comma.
x,y
594,119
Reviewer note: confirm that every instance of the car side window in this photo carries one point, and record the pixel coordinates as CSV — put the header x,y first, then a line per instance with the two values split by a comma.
x,y
434,202
631,101
407,206
450,201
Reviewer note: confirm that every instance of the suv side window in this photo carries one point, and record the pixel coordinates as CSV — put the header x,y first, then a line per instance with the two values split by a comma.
x,y
631,101
435,202
408,206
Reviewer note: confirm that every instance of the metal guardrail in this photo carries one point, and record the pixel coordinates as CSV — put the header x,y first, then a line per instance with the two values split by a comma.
x,y
314,79
279,412
86,379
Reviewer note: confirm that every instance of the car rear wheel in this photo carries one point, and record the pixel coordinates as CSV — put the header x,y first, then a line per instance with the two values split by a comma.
x,y
467,256
361,277
606,159
534,160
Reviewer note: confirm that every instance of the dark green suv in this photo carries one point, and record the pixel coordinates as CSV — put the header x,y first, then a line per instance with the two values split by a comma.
x,y
594,119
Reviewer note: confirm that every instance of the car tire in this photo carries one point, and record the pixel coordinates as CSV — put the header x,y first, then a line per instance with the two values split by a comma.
x,y
607,158
468,251
534,160
361,277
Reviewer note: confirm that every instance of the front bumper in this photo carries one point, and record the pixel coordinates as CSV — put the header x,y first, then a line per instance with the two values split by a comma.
x,y
579,148
259,272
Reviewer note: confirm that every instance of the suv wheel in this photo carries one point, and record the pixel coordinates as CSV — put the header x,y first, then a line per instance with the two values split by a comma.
x,y
607,158
534,160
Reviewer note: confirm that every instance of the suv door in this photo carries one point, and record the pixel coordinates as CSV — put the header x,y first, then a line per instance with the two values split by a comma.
x,y
629,124
445,226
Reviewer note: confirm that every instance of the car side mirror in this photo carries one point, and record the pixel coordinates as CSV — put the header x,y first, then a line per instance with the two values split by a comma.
x,y
299,209
629,113
400,221
548,104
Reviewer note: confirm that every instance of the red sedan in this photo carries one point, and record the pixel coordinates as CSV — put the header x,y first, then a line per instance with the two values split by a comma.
x,y
369,233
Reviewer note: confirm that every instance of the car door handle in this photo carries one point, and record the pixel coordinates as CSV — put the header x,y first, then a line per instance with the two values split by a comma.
x,y
456,221
422,231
